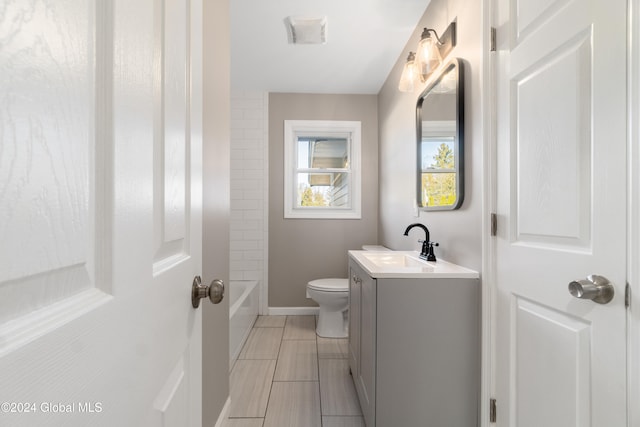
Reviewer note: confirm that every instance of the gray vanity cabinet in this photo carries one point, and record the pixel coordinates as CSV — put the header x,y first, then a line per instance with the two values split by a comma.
x,y
362,339
355,286
414,349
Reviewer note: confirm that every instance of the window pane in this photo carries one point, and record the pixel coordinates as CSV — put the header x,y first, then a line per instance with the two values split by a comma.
x,y
438,189
329,190
323,152
437,153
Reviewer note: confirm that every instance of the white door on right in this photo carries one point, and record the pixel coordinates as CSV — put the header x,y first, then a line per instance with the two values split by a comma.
x,y
561,204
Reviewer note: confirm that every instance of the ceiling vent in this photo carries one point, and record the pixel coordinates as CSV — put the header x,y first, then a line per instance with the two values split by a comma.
x,y
303,30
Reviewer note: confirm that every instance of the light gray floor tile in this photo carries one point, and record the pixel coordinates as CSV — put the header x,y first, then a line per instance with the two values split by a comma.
x,y
250,384
294,404
333,348
263,343
243,422
297,361
300,328
270,322
342,422
338,393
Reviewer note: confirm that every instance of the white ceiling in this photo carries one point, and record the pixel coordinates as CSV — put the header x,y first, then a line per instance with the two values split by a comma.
x,y
364,41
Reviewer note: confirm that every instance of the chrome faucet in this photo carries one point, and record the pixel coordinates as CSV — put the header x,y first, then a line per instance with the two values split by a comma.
x,y
427,244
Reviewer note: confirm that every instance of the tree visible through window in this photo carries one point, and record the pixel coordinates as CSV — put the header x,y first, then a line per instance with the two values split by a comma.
x,y
438,171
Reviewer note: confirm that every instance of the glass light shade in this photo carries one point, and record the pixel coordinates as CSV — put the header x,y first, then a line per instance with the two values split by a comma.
x,y
408,76
428,57
448,83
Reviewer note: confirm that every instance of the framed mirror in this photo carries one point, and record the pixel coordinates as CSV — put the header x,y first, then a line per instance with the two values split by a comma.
x,y
440,138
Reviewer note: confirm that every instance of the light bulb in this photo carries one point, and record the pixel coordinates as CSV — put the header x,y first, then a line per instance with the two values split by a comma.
x,y
428,57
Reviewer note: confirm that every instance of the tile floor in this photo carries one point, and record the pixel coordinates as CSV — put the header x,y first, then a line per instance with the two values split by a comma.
x,y
287,376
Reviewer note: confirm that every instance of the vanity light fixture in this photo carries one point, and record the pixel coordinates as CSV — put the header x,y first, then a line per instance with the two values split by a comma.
x,y
408,74
432,50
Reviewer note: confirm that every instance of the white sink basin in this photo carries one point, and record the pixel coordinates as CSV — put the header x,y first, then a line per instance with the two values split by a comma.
x,y
407,264
397,260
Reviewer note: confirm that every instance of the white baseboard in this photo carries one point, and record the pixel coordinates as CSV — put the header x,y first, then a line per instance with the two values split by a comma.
x,y
293,311
224,414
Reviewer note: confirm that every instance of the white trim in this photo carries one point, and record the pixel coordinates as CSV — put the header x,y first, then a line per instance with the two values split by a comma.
x,y
633,216
293,127
489,198
25,329
438,128
224,414
264,285
293,311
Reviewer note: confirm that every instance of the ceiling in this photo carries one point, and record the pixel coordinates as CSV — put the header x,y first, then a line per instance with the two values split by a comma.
x,y
364,40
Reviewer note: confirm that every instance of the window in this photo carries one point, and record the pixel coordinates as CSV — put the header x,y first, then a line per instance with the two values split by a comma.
x,y
438,164
322,169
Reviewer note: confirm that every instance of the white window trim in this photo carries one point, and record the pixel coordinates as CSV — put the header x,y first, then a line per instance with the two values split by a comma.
x,y
291,128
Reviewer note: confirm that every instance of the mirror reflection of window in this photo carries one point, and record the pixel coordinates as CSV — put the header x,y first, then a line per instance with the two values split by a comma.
x,y
439,112
438,171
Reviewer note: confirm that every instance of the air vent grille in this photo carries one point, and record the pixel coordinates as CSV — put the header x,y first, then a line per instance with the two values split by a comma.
x,y
304,30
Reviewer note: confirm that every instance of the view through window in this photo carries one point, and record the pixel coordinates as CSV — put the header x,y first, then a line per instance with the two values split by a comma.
x,y
321,169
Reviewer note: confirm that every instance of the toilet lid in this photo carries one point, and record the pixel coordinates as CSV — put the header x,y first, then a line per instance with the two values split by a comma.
x,y
329,285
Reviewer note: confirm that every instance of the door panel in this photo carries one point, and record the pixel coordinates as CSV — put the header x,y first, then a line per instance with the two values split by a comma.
x,y
172,403
368,349
552,358
172,139
552,145
100,213
355,303
528,15
48,217
561,201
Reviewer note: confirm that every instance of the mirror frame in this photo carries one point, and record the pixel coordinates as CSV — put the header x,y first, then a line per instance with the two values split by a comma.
x,y
454,63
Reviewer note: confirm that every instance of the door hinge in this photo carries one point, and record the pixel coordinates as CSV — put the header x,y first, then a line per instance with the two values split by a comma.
x,y
494,224
493,47
627,296
492,411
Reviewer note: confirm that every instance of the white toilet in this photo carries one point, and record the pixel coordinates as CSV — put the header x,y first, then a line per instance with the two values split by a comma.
x,y
332,295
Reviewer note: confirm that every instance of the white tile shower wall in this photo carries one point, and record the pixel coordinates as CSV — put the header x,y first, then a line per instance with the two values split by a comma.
x,y
249,186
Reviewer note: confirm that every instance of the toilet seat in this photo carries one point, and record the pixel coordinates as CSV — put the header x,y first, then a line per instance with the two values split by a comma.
x,y
329,285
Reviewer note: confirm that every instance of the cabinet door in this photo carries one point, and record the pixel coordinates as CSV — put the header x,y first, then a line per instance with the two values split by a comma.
x,y
354,322
367,374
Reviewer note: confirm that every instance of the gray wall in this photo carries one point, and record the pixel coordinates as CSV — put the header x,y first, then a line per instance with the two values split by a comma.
x,y
458,232
305,249
216,206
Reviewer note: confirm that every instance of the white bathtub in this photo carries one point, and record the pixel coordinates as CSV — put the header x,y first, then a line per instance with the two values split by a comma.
x,y
243,311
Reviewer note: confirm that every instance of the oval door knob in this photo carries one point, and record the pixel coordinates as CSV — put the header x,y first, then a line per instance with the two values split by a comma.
x,y
214,291
596,288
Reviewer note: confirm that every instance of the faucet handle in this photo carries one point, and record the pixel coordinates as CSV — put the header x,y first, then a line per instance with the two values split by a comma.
x,y
430,255
425,249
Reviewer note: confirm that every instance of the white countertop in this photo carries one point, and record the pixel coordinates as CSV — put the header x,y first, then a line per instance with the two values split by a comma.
x,y
408,265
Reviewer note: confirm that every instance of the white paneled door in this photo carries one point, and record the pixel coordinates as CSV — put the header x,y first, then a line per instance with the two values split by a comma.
x,y
561,200
100,212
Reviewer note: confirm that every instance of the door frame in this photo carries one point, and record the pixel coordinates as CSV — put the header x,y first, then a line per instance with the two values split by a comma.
x,y
488,384
633,215
489,206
